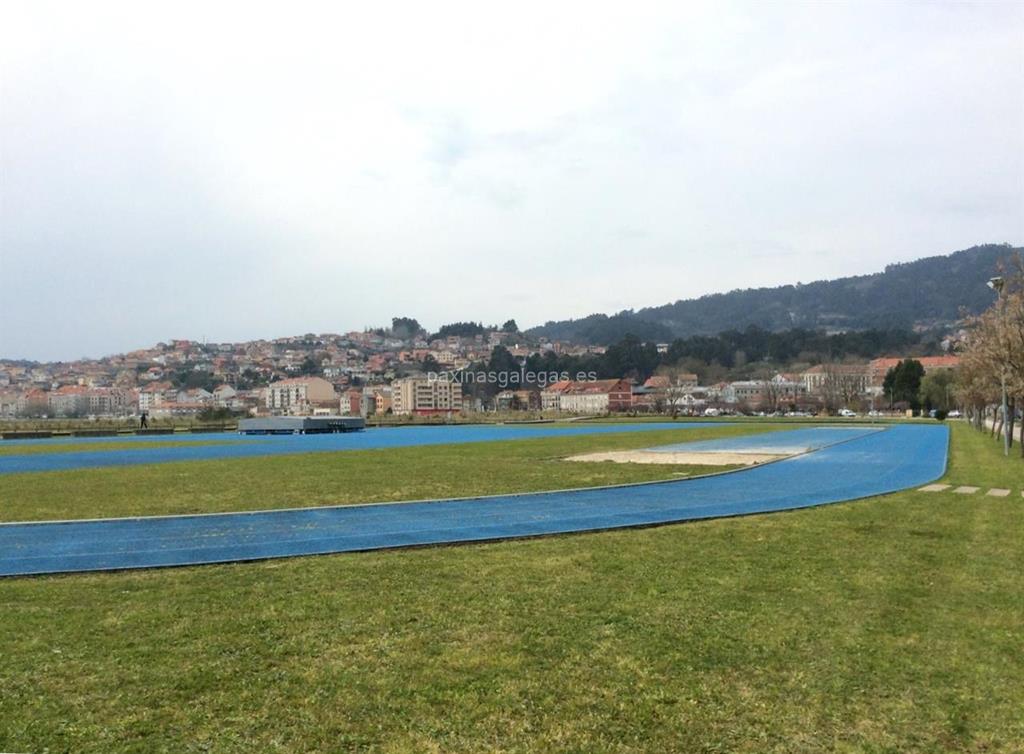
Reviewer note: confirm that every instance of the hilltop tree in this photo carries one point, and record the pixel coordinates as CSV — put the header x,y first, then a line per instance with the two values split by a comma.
x,y
461,329
631,358
405,327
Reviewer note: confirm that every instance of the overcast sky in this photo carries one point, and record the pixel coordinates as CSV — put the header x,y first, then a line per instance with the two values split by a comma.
x,y
176,170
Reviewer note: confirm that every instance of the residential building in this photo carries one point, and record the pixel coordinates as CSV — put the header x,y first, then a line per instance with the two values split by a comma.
x,y
551,396
878,368
111,401
70,400
194,395
849,380
300,395
352,402
420,395
154,394
382,400
517,400
657,383
686,381
597,397
748,392
777,393
224,394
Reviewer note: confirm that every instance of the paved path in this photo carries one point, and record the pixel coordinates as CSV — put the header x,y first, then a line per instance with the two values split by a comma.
x,y
859,465
967,490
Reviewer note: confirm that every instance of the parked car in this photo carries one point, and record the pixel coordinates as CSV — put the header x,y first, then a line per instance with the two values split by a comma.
x,y
847,412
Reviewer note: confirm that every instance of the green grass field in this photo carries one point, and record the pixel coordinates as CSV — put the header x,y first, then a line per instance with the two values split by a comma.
x,y
894,624
412,473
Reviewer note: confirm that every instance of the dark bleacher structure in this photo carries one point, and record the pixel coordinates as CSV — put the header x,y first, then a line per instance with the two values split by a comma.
x,y
300,425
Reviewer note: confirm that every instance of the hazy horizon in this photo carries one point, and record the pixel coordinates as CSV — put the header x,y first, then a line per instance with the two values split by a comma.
x,y
430,327
247,174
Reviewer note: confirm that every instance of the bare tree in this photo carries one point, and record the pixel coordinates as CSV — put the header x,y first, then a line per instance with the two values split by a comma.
x,y
993,354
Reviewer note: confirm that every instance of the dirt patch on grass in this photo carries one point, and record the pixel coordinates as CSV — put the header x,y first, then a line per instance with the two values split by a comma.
x,y
706,458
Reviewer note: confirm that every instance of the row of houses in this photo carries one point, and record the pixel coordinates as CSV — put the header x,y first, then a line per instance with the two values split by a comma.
x,y
424,396
156,400
69,400
819,385
828,385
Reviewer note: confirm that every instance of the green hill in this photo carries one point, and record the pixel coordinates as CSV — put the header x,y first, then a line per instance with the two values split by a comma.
x,y
929,293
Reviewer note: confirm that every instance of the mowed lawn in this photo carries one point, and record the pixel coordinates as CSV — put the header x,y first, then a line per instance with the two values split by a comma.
x,y
338,478
894,624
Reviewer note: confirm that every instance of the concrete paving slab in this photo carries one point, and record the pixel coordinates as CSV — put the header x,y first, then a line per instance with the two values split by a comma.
x,y
966,490
935,487
998,492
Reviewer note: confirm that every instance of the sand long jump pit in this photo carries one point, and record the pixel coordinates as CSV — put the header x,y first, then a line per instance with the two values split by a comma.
x,y
747,450
705,458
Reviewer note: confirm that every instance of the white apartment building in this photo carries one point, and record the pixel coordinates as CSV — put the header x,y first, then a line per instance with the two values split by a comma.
x,y
300,395
111,401
419,395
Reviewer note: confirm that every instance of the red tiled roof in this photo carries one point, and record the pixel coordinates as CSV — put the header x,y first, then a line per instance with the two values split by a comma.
x,y
928,362
71,390
560,387
295,381
839,368
600,386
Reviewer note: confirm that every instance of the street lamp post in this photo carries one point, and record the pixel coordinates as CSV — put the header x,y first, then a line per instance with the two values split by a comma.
x,y
997,284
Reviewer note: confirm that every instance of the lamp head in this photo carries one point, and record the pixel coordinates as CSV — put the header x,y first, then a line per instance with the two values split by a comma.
x,y
996,284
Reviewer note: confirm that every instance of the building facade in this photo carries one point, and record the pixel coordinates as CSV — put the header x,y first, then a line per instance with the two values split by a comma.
x,y
420,395
551,396
597,397
847,379
880,367
300,395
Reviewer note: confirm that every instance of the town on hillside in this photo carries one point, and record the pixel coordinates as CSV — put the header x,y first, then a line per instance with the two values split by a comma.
x,y
463,369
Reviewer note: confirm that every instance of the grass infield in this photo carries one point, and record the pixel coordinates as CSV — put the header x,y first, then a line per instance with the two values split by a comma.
x,y
338,478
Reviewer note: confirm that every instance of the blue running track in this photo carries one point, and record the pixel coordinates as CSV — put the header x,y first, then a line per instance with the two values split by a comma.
x,y
858,464
235,446
781,442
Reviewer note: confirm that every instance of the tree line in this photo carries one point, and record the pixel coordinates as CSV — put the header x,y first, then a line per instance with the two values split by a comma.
x,y
993,357
733,354
927,290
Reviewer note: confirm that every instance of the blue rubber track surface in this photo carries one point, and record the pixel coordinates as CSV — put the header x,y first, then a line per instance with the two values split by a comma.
x,y
781,442
858,465
235,446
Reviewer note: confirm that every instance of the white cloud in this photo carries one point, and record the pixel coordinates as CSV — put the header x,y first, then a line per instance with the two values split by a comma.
x,y
246,170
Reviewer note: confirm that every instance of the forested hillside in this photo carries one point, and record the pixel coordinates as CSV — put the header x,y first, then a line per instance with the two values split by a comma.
x,y
928,292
